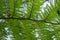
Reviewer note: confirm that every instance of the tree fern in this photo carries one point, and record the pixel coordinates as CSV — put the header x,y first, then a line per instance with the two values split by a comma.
x,y
29,20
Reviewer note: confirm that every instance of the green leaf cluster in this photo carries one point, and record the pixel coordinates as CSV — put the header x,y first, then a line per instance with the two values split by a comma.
x,y
24,20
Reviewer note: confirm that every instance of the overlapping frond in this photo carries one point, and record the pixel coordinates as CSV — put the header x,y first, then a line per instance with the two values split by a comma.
x,y
29,20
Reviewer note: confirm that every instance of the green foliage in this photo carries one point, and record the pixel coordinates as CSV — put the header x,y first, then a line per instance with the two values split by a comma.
x,y
24,20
